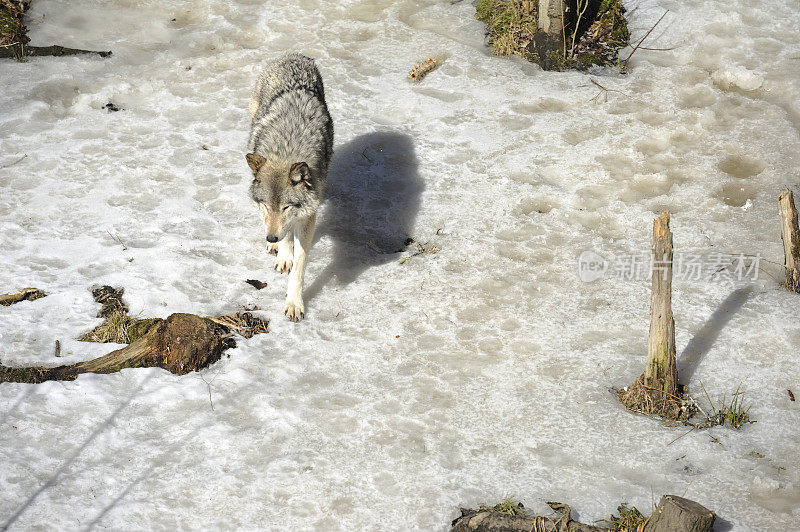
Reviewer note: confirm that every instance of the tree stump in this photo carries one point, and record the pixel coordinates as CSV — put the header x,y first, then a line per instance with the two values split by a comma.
x,y
676,514
790,234
656,391
661,371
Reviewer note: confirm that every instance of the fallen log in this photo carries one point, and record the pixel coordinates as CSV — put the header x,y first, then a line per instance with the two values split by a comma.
x,y
488,520
673,514
20,51
179,344
26,294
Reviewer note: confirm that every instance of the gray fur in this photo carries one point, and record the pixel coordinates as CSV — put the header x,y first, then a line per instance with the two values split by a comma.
x,y
290,126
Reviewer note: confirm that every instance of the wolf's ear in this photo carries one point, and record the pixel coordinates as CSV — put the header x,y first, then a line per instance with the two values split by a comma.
x,y
300,172
255,161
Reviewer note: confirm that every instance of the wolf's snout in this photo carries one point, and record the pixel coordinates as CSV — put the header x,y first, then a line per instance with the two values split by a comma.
x,y
272,239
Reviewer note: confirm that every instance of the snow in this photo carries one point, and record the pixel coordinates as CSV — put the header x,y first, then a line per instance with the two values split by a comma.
x,y
454,379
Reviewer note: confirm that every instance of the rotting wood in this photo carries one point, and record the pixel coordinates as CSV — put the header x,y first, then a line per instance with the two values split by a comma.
x,y
180,344
790,234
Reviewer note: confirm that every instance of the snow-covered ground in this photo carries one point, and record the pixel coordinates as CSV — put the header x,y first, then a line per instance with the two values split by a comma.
x,y
454,379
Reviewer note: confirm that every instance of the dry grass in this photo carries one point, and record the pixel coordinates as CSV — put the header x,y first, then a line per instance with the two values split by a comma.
x,y
120,328
113,329
653,402
629,520
733,413
507,507
117,326
511,25
243,323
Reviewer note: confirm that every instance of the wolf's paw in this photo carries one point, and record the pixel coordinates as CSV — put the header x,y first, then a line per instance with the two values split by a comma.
x,y
294,310
283,265
272,248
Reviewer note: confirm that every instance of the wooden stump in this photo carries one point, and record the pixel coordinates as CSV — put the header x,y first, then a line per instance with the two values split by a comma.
x,y
661,371
180,344
656,391
790,234
676,514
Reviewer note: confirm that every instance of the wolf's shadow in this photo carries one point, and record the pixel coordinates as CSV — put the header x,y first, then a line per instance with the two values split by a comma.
x,y
371,203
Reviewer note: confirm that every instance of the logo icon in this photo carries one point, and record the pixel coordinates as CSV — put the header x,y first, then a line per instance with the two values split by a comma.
x,y
591,266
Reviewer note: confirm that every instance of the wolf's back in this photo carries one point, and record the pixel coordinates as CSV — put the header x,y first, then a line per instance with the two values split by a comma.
x,y
289,73
290,119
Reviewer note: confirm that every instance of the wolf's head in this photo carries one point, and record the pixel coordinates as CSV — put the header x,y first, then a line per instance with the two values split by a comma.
x,y
284,194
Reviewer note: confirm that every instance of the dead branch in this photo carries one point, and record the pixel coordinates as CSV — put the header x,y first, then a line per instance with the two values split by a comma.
x,y
26,294
20,51
646,35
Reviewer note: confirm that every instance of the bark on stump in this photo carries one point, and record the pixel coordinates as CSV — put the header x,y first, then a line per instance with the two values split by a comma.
x,y
676,514
549,36
180,344
790,234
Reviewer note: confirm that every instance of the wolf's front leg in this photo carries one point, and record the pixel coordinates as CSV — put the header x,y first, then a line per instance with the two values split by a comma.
x,y
303,235
283,263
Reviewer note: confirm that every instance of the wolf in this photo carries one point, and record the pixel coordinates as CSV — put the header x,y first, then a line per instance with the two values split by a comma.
x,y
289,151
